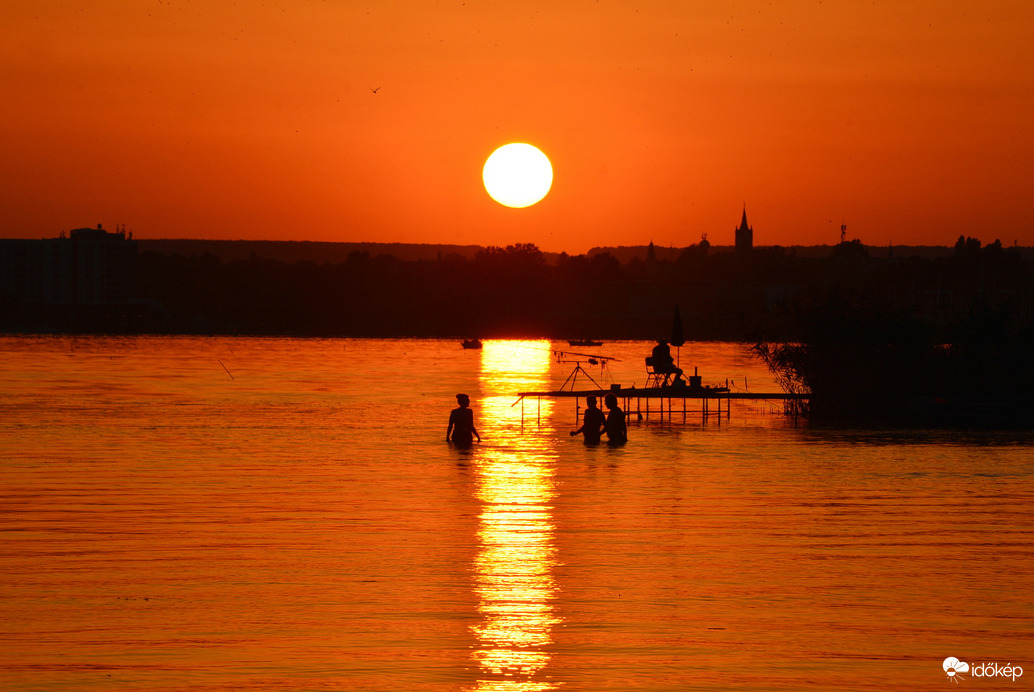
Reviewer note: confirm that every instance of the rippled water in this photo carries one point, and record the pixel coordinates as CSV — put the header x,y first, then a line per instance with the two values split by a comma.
x,y
216,514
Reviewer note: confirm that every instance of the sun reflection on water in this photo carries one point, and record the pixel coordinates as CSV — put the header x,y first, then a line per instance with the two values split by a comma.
x,y
513,570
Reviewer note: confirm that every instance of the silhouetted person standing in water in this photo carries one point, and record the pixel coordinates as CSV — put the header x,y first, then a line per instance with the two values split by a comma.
x,y
461,431
592,423
617,431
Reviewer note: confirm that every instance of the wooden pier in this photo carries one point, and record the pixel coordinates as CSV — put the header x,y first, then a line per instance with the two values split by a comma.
x,y
710,400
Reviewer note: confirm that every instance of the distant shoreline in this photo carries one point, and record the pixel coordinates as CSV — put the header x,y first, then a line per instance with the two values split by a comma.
x,y
290,251
322,289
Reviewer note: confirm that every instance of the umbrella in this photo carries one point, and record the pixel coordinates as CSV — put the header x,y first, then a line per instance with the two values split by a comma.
x,y
677,338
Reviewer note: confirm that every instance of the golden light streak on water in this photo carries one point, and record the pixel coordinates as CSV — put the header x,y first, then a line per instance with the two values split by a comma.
x,y
513,570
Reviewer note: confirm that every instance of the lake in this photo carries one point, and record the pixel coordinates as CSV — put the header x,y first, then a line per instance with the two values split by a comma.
x,y
285,514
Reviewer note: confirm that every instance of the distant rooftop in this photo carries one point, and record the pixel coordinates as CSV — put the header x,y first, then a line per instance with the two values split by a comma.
x,y
98,233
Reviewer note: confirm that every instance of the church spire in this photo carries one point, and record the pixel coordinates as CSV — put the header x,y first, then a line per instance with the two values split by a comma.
x,y
744,234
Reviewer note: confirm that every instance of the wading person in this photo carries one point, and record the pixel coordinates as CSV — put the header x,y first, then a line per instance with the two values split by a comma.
x,y
461,431
592,423
617,431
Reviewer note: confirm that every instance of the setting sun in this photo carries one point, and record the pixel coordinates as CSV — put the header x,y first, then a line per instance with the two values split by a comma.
x,y
517,175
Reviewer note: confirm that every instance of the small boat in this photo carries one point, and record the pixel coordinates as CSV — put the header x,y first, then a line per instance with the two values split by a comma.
x,y
584,342
471,343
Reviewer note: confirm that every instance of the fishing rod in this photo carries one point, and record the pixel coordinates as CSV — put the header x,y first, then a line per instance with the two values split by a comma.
x,y
560,355
591,359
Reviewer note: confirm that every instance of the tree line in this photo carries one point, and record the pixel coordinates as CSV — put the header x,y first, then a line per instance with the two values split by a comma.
x,y
765,294
940,343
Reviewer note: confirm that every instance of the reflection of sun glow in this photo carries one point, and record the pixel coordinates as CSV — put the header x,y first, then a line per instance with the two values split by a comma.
x,y
516,361
513,576
509,367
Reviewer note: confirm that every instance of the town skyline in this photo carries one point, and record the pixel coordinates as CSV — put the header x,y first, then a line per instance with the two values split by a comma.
x,y
717,241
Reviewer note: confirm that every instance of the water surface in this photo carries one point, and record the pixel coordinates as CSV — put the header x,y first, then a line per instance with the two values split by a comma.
x,y
215,514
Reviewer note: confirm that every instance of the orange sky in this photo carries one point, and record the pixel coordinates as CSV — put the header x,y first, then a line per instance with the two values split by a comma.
x,y
910,122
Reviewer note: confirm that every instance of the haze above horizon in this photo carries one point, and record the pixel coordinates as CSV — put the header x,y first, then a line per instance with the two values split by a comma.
x,y
371,122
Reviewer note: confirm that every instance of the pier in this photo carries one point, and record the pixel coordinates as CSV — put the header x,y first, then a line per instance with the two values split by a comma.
x,y
709,399
663,388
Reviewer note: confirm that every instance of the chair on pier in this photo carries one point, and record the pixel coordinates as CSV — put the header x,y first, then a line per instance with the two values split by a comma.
x,y
655,378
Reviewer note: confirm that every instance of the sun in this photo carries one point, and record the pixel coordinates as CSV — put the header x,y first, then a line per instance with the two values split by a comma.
x,y
517,175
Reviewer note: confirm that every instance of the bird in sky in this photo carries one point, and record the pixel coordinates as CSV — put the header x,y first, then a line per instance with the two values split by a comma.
x,y
374,90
